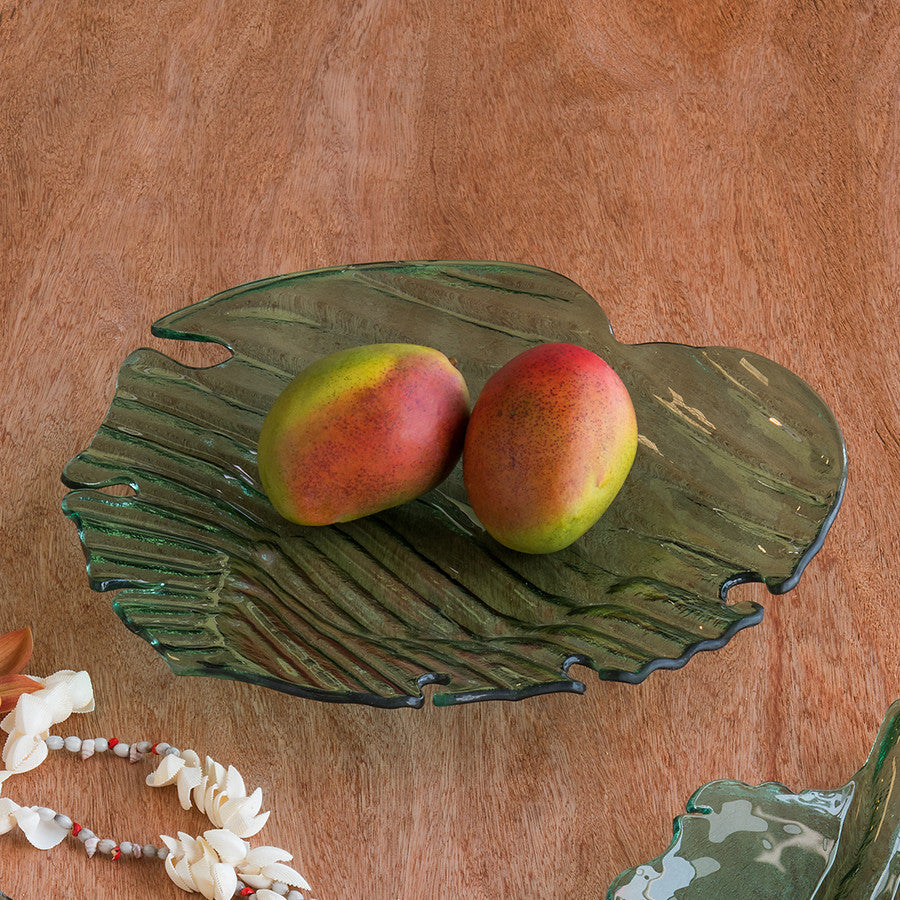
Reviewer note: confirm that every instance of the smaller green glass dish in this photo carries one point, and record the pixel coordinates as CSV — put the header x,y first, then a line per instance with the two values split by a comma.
x,y
768,843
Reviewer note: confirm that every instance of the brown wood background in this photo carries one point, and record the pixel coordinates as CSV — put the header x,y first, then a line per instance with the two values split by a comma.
x,y
712,171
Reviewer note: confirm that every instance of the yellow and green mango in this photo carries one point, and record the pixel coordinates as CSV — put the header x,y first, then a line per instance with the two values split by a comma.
x,y
550,441
362,430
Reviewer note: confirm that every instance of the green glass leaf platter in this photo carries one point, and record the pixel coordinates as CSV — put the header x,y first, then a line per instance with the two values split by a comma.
x,y
769,843
739,473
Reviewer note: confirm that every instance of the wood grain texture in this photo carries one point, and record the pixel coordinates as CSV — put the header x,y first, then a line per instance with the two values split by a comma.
x,y
714,172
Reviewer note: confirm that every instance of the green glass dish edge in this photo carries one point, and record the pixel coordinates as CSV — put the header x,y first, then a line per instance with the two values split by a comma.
x,y
773,844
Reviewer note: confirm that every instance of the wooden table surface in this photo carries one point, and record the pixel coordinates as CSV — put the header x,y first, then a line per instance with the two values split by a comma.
x,y
715,172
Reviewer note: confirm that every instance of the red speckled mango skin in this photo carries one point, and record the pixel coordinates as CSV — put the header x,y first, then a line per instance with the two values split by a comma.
x,y
550,441
362,430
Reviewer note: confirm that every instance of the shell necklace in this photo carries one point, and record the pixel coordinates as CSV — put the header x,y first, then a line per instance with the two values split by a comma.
x,y
219,864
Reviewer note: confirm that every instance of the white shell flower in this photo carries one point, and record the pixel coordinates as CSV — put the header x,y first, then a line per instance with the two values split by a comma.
x,y
181,770
218,792
8,810
28,725
212,864
43,833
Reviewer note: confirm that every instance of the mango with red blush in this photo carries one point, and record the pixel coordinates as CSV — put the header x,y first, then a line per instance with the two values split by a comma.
x,y
551,440
362,430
